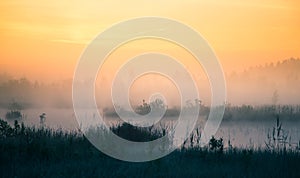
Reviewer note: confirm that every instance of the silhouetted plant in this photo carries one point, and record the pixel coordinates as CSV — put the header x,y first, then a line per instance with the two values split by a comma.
x,y
42,119
278,140
216,144
16,127
138,134
15,111
143,109
5,129
13,115
298,146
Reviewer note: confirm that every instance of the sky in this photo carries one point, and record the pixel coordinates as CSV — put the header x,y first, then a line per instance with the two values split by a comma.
x,y
44,40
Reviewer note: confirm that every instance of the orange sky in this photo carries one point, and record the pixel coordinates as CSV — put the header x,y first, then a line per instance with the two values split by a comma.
x,y
44,40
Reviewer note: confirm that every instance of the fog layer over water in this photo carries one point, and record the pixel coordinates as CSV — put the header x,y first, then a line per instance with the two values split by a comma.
x,y
241,133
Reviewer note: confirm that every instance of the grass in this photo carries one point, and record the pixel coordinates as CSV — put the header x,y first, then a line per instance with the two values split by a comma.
x,y
42,152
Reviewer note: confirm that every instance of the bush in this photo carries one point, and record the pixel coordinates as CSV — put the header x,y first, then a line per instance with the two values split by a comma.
x,y
216,144
5,129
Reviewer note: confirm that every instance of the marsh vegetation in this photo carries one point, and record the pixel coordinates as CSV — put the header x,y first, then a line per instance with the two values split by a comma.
x,y
44,152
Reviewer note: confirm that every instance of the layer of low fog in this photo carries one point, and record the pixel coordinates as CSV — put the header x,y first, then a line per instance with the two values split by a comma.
x,y
269,84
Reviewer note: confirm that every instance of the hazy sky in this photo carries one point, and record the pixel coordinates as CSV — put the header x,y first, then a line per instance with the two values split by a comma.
x,y
43,39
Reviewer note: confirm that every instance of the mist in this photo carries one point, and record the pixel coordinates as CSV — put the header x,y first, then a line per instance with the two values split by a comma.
x,y
259,85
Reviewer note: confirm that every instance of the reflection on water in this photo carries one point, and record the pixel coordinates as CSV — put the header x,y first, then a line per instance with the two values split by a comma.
x,y
240,133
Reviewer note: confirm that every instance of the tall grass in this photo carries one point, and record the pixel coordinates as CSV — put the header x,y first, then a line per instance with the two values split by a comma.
x,y
43,152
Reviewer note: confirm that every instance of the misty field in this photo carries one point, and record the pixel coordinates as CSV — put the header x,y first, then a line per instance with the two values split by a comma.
x,y
43,152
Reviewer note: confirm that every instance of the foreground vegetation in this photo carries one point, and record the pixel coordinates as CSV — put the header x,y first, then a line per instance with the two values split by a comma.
x,y
42,152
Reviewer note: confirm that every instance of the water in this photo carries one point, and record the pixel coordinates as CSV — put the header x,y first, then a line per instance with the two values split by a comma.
x,y
240,133
55,118
254,133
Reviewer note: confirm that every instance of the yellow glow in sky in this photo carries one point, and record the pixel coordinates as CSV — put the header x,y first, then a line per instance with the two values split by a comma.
x,y
44,40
